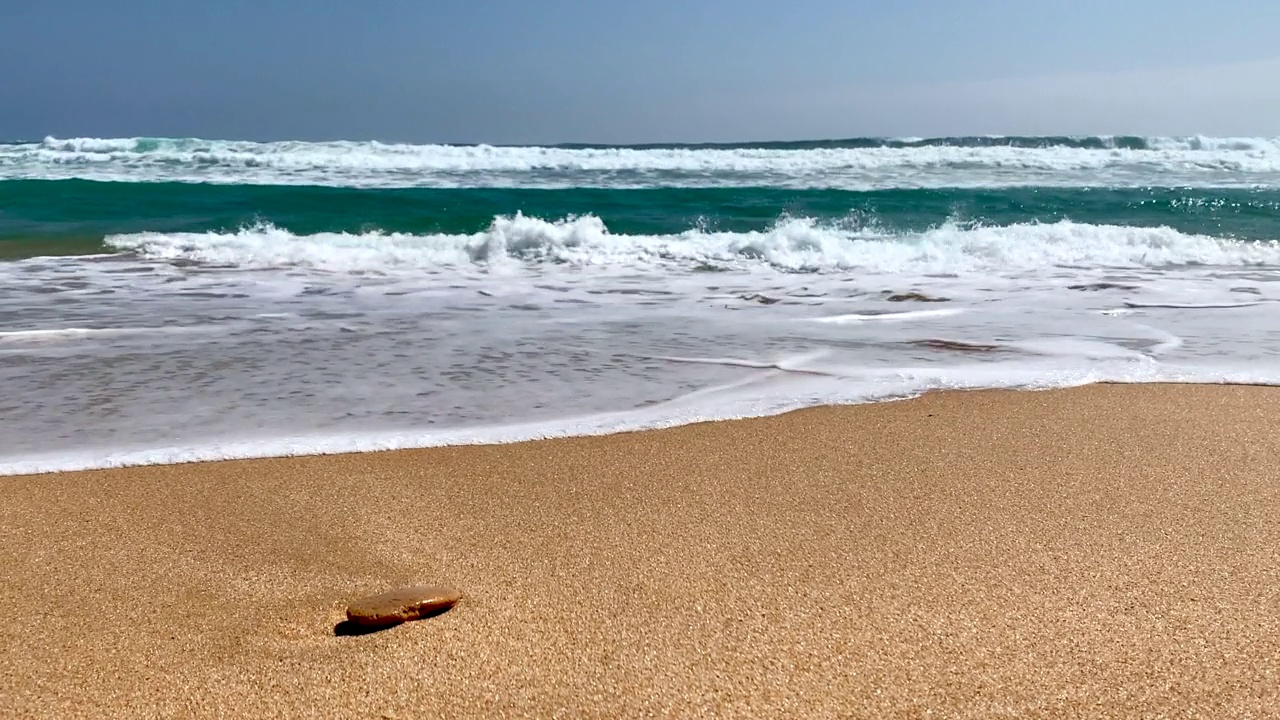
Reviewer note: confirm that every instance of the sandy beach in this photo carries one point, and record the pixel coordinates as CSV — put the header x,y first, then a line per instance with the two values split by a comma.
x,y
1107,551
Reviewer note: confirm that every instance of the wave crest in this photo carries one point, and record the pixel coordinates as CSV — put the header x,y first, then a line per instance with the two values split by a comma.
x,y
793,245
856,164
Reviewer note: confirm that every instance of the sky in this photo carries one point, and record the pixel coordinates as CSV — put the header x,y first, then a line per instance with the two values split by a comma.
x,y
610,71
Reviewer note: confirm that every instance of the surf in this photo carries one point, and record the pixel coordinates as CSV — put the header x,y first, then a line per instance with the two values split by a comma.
x,y
850,164
794,245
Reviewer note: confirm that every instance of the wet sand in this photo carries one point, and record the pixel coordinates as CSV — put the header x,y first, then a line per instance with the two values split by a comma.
x,y
1109,551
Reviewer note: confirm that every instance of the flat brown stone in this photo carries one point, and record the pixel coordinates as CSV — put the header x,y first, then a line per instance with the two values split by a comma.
x,y
401,605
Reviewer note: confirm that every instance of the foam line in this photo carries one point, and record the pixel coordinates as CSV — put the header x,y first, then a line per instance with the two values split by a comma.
x,y
1196,306
855,163
854,318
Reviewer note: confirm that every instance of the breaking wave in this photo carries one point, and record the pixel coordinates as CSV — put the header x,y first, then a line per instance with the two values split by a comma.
x,y
866,163
793,245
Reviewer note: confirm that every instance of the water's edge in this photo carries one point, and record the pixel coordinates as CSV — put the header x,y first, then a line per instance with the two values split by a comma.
x,y
602,424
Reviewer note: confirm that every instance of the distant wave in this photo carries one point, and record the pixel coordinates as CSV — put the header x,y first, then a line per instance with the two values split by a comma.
x,y
1030,142
1033,142
794,245
857,163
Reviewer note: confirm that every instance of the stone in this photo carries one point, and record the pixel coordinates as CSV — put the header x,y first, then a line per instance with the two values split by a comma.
x,y
401,605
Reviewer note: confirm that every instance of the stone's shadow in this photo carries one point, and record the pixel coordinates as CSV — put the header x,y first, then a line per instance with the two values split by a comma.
x,y
348,628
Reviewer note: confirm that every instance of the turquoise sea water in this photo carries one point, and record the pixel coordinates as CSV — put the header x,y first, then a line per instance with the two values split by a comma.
x,y
74,216
182,299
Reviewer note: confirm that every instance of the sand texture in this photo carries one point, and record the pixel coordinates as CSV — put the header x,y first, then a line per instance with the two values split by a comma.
x,y
1109,551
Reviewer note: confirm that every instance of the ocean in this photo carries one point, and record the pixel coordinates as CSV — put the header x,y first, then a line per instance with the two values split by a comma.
x,y
170,300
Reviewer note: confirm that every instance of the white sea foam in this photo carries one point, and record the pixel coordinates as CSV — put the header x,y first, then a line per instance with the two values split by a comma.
x,y
335,343
854,318
793,245
1187,160
42,335
53,335
1194,306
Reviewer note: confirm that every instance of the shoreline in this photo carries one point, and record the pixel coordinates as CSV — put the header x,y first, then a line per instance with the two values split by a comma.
x,y
1108,550
620,422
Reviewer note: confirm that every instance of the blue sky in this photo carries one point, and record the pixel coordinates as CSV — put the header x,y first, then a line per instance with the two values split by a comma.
x,y
522,71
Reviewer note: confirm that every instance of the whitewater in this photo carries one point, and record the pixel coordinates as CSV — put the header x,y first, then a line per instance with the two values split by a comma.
x,y
164,301
858,164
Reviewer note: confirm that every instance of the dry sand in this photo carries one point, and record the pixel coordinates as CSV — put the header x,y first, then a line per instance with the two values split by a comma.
x,y
1109,551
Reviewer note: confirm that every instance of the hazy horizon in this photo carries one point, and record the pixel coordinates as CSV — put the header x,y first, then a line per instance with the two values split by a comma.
x,y
658,143
502,73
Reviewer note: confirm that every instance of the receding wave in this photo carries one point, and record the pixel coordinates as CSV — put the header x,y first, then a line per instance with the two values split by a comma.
x,y
868,163
793,245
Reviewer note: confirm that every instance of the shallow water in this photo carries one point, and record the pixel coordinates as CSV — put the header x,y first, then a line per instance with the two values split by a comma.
x,y
200,321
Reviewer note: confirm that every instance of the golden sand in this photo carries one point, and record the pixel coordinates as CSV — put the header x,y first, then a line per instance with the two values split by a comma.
x,y
1110,551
